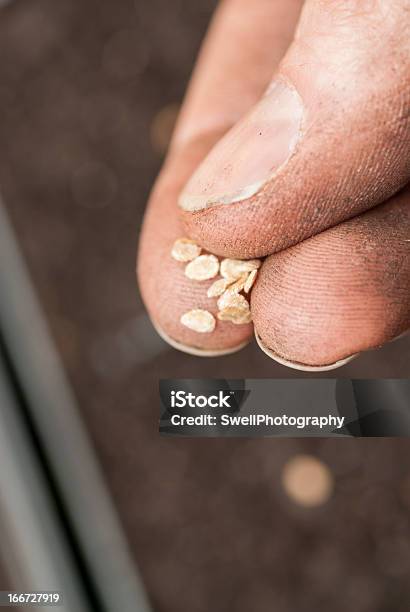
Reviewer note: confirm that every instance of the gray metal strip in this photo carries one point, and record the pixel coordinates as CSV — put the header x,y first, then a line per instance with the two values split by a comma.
x,y
32,546
63,435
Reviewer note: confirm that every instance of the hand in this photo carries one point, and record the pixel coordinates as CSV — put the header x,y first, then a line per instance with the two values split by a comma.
x,y
309,169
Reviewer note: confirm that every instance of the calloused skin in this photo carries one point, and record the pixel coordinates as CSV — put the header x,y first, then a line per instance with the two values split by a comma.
x,y
334,225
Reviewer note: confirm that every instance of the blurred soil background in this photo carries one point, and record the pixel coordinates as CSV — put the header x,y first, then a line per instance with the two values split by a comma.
x,y
89,91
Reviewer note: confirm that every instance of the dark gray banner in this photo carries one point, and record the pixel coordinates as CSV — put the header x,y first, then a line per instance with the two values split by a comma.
x,y
32,599
286,408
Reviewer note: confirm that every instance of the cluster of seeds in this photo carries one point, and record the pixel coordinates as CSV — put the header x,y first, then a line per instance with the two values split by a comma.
x,y
232,289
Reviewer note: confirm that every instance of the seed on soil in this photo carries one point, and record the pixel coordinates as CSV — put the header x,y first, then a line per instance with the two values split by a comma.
x,y
185,249
218,287
250,281
199,320
202,268
234,268
238,316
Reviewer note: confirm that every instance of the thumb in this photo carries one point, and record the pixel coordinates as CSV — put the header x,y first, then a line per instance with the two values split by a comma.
x,y
327,141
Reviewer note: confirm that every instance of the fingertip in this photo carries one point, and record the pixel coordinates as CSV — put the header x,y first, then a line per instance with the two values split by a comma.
x,y
294,365
198,352
318,305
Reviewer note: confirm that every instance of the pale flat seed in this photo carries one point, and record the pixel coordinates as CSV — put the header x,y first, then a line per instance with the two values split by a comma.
x,y
234,268
185,249
238,316
199,320
250,281
232,299
239,285
203,267
218,287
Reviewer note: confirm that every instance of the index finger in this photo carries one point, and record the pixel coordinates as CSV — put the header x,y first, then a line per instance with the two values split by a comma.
x,y
233,69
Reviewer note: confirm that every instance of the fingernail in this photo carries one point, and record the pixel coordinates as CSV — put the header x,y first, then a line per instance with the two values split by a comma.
x,y
301,366
401,336
193,350
250,153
